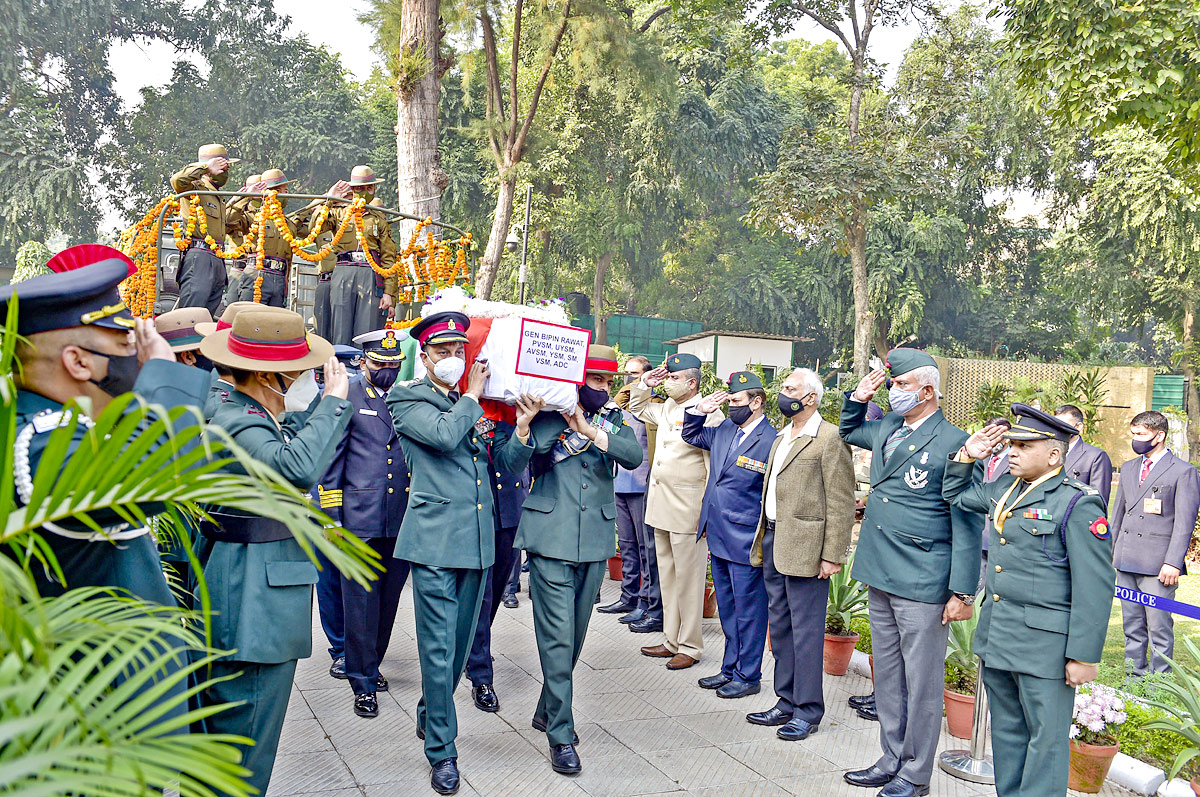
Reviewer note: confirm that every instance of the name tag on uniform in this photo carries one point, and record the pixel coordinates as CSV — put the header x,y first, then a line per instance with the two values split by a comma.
x,y
755,465
1152,506
367,412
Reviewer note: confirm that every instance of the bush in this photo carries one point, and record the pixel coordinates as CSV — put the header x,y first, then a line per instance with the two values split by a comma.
x,y
1152,746
862,627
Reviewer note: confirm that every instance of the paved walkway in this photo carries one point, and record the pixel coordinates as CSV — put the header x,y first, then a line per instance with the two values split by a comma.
x,y
642,728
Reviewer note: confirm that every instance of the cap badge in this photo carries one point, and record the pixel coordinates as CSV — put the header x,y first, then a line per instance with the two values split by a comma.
x,y
389,340
742,379
451,326
676,361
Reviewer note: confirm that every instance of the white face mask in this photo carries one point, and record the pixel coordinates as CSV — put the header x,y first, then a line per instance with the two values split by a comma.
x,y
301,393
449,370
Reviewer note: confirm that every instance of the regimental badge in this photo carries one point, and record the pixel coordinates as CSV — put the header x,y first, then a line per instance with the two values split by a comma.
x,y
742,379
1099,528
925,458
451,326
915,478
389,340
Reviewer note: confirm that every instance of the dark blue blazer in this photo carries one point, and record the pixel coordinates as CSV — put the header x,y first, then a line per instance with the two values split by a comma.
x,y
733,496
509,490
368,469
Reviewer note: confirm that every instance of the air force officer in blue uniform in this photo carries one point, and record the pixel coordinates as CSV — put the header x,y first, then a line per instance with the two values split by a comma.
x,y
740,447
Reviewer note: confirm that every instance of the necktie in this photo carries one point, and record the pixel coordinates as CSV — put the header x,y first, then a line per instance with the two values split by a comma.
x,y
893,442
454,395
1145,470
992,465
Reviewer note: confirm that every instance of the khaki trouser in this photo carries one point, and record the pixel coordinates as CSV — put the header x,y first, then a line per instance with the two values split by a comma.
x,y
682,561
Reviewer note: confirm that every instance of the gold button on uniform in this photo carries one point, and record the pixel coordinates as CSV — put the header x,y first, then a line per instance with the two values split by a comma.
x,y
389,476
1003,541
389,462
995,598
1008,515
390,491
389,448
999,569
478,482
406,489
479,506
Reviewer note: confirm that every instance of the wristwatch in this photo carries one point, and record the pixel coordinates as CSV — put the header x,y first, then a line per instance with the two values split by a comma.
x,y
965,597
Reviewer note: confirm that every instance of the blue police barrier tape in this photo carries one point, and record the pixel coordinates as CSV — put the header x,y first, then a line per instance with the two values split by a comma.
x,y
1158,602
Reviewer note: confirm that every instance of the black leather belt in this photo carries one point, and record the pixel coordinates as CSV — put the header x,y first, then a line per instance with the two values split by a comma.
x,y
325,276
249,529
356,258
275,265
200,243
769,524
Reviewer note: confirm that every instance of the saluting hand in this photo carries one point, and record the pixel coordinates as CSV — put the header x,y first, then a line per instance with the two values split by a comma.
x,y
337,383
217,165
870,384
150,344
655,377
711,403
981,444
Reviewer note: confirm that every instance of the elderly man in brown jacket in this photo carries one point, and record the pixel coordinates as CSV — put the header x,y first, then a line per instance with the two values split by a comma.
x,y
803,539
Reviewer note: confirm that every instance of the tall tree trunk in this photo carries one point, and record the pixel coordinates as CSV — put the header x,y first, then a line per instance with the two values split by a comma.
x,y
420,179
495,245
864,321
598,313
1189,372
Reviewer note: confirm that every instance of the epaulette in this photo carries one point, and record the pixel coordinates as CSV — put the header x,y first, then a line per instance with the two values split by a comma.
x,y
1082,487
255,411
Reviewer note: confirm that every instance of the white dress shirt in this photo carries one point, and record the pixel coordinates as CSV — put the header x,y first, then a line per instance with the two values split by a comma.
x,y
809,429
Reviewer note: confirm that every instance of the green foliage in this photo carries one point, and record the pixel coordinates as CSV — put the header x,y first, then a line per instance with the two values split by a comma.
x,y
961,664
1145,742
1183,721
1095,65
31,261
992,401
847,601
862,627
1085,389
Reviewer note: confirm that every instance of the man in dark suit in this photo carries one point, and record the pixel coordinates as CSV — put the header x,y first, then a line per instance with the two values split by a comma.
x,y
732,501
1085,462
1152,519
802,539
920,559
509,491
365,491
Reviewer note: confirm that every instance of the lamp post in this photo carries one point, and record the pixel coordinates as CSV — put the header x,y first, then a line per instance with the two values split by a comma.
x,y
523,274
974,764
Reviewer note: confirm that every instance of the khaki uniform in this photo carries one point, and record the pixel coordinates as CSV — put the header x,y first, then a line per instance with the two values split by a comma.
x,y
674,498
202,276
278,253
354,290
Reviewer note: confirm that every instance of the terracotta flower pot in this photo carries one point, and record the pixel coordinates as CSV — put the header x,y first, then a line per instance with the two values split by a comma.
x,y
838,650
960,713
1089,766
710,601
614,567
871,661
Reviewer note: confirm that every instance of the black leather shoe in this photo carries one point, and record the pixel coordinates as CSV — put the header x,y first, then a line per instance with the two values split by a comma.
x,y
338,668
714,681
797,730
485,698
736,688
858,701
646,625
618,607
770,717
510,601
444,777
564,759
381,684
899,787
538,725
868,713
366,705
633,616
870,777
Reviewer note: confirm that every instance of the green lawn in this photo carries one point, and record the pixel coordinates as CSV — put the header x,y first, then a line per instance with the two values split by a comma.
x,y
1112,665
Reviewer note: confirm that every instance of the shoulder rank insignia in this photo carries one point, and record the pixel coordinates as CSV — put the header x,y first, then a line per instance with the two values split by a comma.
x,y
255,411
1037,514
1099,528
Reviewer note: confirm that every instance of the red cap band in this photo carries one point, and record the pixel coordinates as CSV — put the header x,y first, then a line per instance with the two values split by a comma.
x,y
599,364
222,324
275,351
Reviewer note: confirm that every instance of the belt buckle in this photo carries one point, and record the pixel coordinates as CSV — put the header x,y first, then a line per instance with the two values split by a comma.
x,y
358,257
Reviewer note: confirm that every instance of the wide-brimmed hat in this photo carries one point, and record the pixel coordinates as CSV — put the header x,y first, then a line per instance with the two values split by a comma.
x,y
363,175
267,340
230,312
274,178
252,179
178,327
602,359
210,151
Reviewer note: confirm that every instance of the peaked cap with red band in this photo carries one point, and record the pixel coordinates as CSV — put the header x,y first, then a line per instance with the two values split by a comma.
x,y
441,328
82,291
74,257
602,360
267,339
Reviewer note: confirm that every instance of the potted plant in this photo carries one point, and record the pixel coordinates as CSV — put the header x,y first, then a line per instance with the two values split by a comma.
x,y
710,592
847,600
1184,713
1096,721
962,671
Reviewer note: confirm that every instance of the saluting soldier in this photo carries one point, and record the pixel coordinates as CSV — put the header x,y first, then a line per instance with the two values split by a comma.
x,y
448,534
358,300
202,275
1037,644
569,529
178,328
277,252
259,577
237,227
365,491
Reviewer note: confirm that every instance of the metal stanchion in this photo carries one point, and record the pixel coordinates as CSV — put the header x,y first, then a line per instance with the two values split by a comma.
x,y
974,764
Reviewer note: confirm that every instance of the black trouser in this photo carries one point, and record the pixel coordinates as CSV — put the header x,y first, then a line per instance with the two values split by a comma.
x,y
274,287
202,279
369,616
479,663
796,612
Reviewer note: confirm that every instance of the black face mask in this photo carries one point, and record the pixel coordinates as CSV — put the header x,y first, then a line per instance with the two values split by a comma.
x,y
383,378
789,406
592,399
739,415
122,373
202,362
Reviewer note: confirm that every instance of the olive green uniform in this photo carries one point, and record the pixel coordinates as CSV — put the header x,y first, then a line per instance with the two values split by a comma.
x,y
1047,599
449,537
262,590
354,288
202,275
568,526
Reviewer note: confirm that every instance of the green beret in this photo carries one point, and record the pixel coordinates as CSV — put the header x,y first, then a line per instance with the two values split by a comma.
x,y
744,380
682,362
901,360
